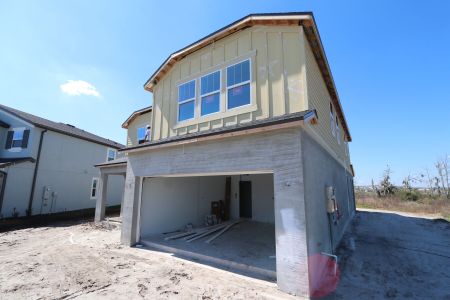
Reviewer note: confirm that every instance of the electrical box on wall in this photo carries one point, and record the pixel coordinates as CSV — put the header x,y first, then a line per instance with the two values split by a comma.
x,y
331,199
47,192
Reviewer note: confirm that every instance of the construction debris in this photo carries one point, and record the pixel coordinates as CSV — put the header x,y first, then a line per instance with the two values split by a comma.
x,y
195,234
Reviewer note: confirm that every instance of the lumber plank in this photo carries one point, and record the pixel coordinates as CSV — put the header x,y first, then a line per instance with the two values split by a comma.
x,y
204,234
221,232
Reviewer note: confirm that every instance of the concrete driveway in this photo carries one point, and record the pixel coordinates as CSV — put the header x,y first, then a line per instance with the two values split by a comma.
x,y
394,256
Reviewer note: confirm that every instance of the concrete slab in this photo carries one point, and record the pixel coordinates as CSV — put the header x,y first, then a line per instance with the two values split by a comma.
x,y
247,248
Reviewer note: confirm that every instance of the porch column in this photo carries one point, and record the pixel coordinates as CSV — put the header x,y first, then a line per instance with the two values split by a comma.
x,y
123,195
101,198
130,210
290,230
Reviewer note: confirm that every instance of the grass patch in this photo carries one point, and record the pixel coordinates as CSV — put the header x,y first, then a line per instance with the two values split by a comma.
x,y
405,201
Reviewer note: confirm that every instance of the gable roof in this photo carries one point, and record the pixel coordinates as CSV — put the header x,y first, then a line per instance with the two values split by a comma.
x,y
62,128
135,114
305,19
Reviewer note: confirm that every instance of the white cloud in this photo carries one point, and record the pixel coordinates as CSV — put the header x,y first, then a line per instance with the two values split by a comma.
x,y
79,87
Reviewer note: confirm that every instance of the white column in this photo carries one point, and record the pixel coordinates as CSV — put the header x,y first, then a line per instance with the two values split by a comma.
x,y
101,198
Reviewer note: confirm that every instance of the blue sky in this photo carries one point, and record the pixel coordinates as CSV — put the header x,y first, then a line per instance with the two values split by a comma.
x,y
390,61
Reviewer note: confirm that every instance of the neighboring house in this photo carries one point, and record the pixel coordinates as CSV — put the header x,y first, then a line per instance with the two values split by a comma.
x,y
138,126
48,167
249,115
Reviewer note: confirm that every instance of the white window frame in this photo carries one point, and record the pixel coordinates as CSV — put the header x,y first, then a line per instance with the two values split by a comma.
x,y
332,121
338,131
187,100
238,84
96,187
14,130
137,132
219,91
107,154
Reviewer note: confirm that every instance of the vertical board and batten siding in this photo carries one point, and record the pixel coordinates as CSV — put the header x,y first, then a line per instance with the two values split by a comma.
x,y
140,121
319,99
277,80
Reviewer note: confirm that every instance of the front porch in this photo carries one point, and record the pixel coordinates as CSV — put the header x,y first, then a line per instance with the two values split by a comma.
x,y
116,167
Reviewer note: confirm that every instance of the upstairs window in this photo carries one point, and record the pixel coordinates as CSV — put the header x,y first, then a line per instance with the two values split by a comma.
x,y
238,84
94,188
141,135
332,126
111,155
338,131
17,138
186,101
210,93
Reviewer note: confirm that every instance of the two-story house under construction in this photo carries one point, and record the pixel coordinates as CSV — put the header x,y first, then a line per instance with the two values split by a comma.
x,y
246,125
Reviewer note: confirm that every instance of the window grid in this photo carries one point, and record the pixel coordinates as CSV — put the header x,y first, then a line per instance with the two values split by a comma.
x,y
235,82
206,91
185,96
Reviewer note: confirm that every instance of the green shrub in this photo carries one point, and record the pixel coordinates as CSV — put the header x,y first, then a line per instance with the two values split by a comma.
x,y
408,195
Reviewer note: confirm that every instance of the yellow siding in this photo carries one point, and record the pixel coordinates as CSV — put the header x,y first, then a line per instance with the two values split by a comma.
x,y
140,121
277,75
319,99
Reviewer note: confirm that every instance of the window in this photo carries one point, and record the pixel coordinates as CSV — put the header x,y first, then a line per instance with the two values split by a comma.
x,y
238,84
17,138
332,126
141,135
94,188
111,155
338,131
186,101
210,93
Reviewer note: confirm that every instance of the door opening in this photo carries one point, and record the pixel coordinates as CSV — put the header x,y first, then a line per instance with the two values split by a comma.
x,y
245,199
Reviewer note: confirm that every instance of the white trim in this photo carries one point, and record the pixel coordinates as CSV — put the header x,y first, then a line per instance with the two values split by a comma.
x,y
14,130
187,100
96,188
107,154
249,82
218,91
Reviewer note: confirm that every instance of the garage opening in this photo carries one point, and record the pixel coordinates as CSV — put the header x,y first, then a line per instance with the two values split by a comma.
x,y
225,220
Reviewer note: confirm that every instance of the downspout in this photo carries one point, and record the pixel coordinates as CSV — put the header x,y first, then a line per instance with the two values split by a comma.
x,y
2,192
33,185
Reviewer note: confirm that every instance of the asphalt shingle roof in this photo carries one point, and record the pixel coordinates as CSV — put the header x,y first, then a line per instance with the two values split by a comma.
x,y
61,128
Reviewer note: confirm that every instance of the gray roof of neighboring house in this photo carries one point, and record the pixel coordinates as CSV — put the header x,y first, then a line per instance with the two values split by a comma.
x,y
61,128
302,115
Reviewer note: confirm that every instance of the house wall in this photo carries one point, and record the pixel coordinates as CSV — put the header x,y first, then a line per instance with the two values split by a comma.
x,y
17,190
140,121
276,152
168,204
277,74
320,169
319,99
67,167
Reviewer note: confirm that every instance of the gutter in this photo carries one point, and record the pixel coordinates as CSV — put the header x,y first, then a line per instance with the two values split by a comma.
x,y
33,185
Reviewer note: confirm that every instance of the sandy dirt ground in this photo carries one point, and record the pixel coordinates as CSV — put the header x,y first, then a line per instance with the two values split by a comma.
x,y
392,256
395,256
85,261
